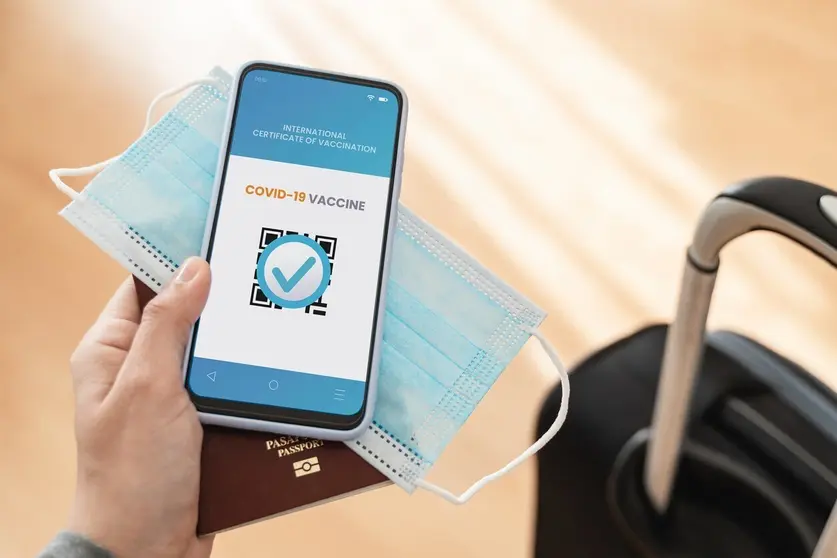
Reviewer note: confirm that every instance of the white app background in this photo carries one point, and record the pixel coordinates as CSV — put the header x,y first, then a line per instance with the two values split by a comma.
x,y
333,345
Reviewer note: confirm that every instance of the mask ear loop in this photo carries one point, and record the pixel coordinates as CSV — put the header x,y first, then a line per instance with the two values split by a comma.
x,y
533,449
56,174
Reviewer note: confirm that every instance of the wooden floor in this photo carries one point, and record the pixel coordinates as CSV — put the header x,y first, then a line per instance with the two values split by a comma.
x,y
570,146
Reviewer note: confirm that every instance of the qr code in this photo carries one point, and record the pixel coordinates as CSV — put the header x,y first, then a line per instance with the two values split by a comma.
x,y
268,235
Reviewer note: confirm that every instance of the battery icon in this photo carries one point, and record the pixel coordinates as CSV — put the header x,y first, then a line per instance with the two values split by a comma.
x,y
383,99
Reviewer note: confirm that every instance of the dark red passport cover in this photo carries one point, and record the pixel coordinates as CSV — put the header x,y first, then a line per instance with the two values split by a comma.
x,y
251,476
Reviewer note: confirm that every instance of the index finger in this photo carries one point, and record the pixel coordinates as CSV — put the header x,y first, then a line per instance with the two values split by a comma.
x,y
96,361
123,306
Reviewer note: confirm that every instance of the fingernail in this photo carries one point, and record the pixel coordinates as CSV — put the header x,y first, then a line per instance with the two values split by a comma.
x,y
187,271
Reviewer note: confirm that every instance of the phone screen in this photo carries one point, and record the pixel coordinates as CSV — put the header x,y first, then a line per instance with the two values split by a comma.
x,y
297,248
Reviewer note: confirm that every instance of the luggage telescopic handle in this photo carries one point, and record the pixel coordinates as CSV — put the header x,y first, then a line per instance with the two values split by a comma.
x,y
803,212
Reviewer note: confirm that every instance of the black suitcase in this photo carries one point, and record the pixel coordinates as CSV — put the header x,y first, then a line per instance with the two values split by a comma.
x,y
683,444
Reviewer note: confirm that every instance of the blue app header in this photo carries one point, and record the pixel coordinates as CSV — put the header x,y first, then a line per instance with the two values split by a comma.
x,y
316,122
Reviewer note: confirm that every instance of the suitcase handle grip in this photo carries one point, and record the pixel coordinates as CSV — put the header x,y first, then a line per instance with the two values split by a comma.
x,y
803,212
808,206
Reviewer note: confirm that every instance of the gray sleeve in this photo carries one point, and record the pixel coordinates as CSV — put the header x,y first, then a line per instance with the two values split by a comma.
x,y
71,545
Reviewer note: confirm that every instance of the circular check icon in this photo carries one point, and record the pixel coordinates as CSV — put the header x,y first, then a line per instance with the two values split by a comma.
x,y
293,271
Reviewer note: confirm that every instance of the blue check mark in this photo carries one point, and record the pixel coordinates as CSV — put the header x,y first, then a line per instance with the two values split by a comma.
x,y
288,284
275,264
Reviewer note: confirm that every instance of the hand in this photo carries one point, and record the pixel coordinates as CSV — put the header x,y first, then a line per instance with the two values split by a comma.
x,y
138,435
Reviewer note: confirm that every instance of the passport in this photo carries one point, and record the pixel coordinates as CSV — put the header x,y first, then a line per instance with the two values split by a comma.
x,y
249,476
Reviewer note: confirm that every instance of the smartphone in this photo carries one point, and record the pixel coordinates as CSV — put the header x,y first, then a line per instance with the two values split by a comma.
x,y
298,238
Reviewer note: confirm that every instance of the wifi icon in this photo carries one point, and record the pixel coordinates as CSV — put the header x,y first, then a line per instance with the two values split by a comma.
x,y
370,97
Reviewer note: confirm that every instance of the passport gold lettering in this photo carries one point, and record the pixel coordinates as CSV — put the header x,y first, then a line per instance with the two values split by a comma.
x,y
304,446
290,445
282,441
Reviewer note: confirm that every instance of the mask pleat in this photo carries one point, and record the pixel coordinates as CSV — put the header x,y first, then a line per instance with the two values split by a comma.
x,y
417,350
406,394
191,176
428,326
201,150
177,221
443,291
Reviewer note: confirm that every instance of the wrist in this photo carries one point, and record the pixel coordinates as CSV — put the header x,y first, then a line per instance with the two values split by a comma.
x,y
104,530
67,543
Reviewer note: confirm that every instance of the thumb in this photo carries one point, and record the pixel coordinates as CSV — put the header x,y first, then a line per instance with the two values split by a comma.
x,y
158,348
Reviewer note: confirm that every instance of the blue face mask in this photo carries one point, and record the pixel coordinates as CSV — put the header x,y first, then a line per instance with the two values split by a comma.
x,y
451,326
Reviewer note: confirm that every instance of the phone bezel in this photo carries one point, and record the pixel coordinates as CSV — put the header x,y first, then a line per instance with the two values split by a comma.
x,y
315,422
